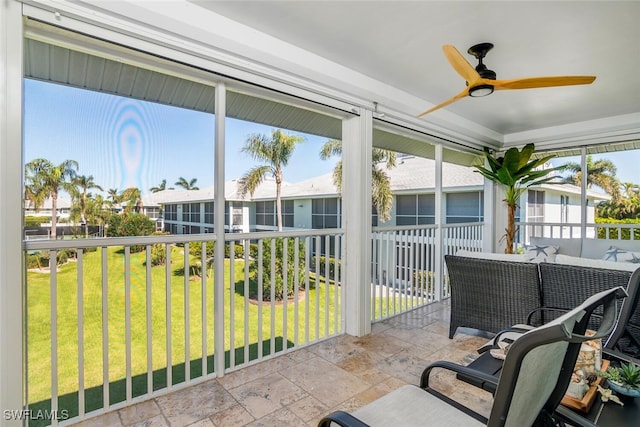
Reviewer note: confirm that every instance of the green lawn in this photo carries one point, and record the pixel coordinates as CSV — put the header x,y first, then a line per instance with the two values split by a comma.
x,y
245,322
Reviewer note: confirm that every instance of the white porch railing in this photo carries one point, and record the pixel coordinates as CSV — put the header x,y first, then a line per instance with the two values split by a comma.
x,y
527,230
406,271
114,325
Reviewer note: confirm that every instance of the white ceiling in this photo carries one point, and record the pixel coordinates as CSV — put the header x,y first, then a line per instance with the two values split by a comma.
x,y
399,43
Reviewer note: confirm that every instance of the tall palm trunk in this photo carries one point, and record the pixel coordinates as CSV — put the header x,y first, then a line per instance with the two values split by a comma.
x,y
511,229
54,214
278,199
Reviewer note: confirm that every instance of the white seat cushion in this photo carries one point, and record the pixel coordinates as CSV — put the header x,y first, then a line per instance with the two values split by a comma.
x,y
411,406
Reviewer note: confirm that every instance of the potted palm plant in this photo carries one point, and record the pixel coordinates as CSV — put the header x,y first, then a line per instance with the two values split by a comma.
x,y
516,172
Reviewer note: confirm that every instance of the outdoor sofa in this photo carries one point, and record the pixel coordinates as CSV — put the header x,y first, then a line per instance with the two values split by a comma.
x,y
491,292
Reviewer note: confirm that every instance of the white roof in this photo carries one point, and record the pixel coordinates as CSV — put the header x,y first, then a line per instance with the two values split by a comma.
x,y
411,174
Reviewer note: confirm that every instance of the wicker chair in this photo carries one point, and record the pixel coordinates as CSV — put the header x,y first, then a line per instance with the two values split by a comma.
x,y
530,388
491,295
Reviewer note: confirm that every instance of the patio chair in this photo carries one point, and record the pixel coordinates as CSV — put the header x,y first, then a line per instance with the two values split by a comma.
x,y
533,376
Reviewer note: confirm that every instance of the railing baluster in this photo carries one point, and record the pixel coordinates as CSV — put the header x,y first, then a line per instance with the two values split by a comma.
x,y
272,302
203,305
246,300
105,330
187,316
260,287
296,285
285,297
232,311
167,278
307,299
336,282
80,280
127,320
327,275
149,311
317,267
53,271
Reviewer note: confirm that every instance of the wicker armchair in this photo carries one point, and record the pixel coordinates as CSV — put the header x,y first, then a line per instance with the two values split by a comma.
x,y
491,295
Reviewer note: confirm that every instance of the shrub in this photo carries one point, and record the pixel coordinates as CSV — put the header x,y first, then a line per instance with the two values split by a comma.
x,y
35,221
613,232
277,274
37,261
158,254
195,249
423,282
332,266
130,224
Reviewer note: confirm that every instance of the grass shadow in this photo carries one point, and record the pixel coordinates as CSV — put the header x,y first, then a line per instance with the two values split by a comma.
x,y
93,397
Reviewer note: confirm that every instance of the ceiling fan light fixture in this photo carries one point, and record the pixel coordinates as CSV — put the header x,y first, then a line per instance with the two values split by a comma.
x,y
481,90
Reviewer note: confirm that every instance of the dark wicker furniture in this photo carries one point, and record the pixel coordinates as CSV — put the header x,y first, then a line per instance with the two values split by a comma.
x,y
491,295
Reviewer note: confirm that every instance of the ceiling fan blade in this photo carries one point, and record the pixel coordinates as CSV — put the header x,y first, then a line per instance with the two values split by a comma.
x,y
460,64
447,102
537,82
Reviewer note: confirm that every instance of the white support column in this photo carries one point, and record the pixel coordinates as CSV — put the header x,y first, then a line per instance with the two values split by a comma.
x,y
12,337
357,138
218,228
439,220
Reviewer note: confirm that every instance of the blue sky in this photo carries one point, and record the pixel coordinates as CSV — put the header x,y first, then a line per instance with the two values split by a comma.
x,y
129,143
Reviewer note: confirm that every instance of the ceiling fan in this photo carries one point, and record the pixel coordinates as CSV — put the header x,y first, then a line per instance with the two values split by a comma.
x,y
482,82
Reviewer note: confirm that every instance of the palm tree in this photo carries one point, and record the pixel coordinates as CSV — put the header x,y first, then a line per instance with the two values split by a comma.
x,y
45,179
98,211
187,185
275,152
515,172
82,184
630,190
113,195
381,196
161,187
601,173
133,198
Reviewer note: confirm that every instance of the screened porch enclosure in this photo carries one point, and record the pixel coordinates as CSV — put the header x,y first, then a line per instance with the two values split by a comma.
x,y
114,322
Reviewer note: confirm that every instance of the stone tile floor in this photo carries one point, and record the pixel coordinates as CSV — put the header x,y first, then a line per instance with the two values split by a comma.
x,y
300,387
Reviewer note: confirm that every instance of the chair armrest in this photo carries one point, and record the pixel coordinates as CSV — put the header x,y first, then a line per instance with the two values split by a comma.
x,y
341,418
615,355
424,380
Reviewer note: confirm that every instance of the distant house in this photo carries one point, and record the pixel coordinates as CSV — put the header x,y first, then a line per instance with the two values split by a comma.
x,y
315,203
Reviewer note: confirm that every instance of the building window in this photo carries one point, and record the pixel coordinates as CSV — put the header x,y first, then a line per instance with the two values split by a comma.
x,y
535,212
415,209
191,212
287,213
171,212
325,213
464,207
208,212
535,206
266,213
